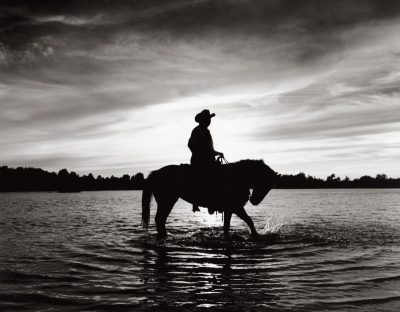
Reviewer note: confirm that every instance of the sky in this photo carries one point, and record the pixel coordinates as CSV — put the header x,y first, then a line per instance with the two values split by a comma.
x,y
112,87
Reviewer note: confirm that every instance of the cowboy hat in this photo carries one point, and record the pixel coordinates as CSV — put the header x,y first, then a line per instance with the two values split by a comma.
x,y
204,114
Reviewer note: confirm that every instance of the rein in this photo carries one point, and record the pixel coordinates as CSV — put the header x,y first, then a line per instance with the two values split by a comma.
x,y
222,160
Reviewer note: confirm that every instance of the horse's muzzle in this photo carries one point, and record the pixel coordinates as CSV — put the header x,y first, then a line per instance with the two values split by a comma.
x,y
258,196
253,202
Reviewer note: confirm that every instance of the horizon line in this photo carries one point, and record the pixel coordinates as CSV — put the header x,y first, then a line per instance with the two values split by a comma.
x,y
83,174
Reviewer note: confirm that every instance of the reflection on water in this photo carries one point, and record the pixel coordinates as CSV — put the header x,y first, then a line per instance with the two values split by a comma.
x,y
334,250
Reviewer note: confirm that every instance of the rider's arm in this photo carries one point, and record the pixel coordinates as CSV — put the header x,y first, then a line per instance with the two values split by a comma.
x,y
216,153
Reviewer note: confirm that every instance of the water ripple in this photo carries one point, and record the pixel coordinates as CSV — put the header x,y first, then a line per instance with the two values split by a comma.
x,y
87,252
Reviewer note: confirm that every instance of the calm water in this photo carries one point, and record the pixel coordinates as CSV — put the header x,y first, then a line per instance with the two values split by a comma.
x,y
320,250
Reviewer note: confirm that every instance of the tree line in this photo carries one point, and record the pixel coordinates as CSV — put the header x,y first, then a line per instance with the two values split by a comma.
x,y
35,179
300,180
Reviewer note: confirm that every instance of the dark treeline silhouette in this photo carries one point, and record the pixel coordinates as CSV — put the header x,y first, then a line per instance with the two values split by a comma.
x,y
300,180
34,179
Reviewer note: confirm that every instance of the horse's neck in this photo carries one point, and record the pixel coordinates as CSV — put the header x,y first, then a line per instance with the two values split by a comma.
x,y
241,175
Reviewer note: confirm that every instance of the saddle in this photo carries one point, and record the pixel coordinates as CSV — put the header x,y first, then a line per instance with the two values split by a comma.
x,y
204,176
205,185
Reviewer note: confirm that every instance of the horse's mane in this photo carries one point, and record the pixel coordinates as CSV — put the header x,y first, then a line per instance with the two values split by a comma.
x,y
243,167
248,163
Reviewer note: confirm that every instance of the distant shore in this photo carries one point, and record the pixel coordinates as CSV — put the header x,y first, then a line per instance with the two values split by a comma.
x,y
36,179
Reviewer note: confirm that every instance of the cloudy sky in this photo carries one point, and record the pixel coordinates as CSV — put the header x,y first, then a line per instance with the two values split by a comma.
x,y
112,87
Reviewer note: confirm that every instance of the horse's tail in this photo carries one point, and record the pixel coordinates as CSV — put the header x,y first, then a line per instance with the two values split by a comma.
x,y
146,200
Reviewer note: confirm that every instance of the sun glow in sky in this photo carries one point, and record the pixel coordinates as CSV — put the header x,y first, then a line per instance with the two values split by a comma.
x,y
113,87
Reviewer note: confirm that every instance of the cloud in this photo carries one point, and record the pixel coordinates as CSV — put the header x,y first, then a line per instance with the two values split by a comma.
x,y
118,83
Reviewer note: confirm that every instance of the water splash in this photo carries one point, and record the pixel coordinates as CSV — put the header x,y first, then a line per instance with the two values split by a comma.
x,y
272,225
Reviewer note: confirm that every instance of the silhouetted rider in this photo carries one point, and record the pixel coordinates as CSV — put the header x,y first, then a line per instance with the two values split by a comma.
x,y
201,144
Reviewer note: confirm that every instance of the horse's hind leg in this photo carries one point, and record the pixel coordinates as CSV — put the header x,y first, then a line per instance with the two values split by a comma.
x,y
161,218
163,210
242,214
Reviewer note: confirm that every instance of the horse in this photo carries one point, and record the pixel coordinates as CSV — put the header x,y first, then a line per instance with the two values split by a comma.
x,y
225,188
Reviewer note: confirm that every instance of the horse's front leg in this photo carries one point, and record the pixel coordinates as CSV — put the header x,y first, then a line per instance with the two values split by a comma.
x,y
227,222
242,214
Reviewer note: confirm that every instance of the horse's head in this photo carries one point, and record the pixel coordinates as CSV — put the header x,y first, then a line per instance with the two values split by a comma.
x,y
263,181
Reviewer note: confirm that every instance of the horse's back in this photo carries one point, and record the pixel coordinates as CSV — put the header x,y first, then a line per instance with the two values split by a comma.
x,y
169,174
